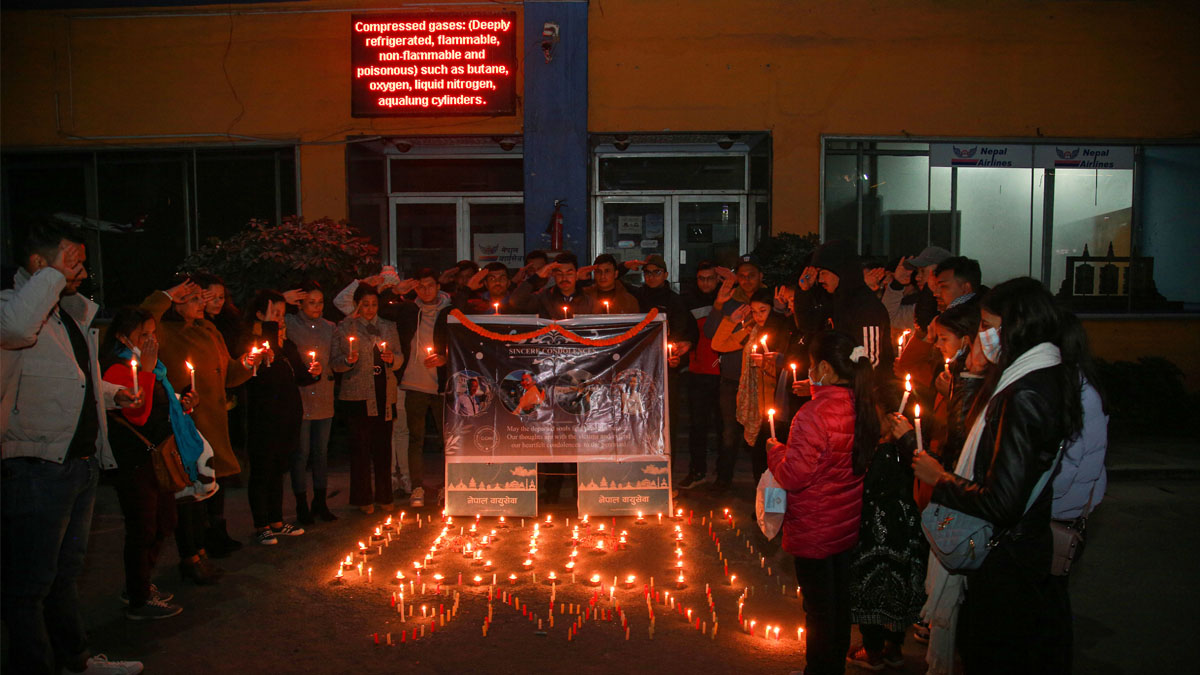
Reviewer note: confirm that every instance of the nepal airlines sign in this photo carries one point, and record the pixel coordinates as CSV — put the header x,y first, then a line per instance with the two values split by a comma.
x,y
433,64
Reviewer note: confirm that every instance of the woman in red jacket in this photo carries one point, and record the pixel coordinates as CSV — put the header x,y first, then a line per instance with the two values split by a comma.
x,y
822,466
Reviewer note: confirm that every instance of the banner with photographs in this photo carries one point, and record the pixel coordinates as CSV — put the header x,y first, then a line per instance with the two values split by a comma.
x,y
504,489
524,389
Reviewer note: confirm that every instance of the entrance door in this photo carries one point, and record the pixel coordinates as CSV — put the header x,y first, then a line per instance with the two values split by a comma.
x,y
631,228
709,228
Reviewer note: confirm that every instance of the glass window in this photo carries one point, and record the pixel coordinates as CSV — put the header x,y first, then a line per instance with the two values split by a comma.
x,y
709,231
233,188
1169,232
673,173
1092,208
841,197
478,174
425,236
498,234
994,208
632,231
895,216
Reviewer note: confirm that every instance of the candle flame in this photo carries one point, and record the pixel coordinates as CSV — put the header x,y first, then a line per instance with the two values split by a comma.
x,y
763,340
907,384
771,412
917,410
189,365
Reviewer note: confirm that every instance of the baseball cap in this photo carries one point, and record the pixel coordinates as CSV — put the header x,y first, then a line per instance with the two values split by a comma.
x,y
932,255
656,260
746,260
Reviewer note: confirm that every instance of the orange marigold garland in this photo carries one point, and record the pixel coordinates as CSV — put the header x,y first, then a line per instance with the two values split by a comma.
x,y
554,328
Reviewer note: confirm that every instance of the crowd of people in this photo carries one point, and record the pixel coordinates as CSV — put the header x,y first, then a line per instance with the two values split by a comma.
x,y
1011,429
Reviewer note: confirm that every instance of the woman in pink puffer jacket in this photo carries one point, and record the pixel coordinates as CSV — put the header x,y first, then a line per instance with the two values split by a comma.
x,y
822,469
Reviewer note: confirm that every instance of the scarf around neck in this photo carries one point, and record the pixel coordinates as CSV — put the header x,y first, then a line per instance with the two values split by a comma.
x,y
187,437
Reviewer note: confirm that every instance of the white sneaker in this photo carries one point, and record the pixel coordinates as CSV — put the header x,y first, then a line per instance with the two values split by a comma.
x,y
417,499
100,665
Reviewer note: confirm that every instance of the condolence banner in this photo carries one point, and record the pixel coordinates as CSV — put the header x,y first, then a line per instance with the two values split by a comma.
x,y
524,389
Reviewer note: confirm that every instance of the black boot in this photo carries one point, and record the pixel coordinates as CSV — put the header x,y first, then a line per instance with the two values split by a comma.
x,y
319,508
201,572
303,515
217,541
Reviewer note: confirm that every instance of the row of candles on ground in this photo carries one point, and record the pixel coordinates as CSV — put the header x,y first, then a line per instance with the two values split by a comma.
x,y
382,533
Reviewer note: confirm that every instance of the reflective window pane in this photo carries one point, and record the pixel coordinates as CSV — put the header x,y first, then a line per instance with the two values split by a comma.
x,y
994,209
425,236
673,173
895,218
632,231
1092,208
841,198
708,231
458,175
498,234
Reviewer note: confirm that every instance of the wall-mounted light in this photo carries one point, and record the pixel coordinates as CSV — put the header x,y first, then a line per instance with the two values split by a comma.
x,y
506,144
401,145
621,142
549,40
726,142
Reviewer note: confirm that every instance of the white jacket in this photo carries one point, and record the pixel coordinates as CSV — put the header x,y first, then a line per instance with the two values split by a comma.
x,y
42,384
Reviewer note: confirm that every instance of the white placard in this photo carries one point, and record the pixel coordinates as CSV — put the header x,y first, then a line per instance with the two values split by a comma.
x,y
505,247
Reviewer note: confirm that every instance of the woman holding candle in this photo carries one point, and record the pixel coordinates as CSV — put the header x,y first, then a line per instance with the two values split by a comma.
x,y
314,335
369,387
148,509
185,335
1013,614
275,411
821,467
758,332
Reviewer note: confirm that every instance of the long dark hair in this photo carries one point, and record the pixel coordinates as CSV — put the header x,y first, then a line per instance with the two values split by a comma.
x,y
834,347
1030,316
125,322
1077,353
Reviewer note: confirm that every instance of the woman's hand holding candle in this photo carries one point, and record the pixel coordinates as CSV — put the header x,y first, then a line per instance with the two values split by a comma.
x,y
189,401
771,420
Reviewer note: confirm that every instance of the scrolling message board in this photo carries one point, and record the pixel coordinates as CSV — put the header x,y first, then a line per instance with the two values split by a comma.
x,y
433,64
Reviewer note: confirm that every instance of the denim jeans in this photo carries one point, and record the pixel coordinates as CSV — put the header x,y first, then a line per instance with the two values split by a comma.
x,y
314,447
46,518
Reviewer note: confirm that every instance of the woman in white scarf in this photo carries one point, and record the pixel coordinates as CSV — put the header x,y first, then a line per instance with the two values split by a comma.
x,y
1007,611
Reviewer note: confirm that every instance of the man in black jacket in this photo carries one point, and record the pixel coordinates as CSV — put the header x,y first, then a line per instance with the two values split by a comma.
x,y
848,306
682,334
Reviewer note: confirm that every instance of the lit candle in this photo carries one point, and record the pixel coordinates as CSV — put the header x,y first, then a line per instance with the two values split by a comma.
x,y
383,345
605,307
763,341
353,349
565,312
428,352
191,374
670,349
917,420
799,633
771,419
900,340
254,352
133,369
496,306
312,358
793,367
907,392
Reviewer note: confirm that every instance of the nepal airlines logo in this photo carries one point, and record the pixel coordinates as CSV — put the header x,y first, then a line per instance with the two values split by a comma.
x,y
964,156
1067,158
981,155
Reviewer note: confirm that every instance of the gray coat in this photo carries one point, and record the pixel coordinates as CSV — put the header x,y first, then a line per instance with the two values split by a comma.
x,y
358,380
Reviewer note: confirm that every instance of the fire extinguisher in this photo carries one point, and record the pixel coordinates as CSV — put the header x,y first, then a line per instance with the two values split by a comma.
x,y
556,226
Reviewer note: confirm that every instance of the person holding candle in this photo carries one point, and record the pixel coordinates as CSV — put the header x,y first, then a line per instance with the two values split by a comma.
x,y
822,465
422,373
313,334
548,302
54,444
702,380
185,335
909,297
887,566
276,411
607,292
487,292
148,510
1014,611
369,387
760,371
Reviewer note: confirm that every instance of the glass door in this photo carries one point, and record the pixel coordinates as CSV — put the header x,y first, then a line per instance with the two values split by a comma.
x,y
632,228
495,231
709,228
423,233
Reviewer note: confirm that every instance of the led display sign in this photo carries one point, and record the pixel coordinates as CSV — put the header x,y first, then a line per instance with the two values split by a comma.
x,y
433,64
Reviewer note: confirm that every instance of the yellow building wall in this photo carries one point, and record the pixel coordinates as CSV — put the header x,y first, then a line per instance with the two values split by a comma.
x,y
1127,339
798,68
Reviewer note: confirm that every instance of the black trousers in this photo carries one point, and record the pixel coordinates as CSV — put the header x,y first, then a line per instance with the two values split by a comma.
x,y
1014,620
370,458
704,417
265,490
825,586
731,431
874,637
192,524
149,518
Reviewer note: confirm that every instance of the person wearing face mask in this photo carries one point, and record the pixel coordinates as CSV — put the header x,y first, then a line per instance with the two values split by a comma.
x,y
185,336
148,509
1012,610
364,352
313,335
757,332
275,410
829,447
54,442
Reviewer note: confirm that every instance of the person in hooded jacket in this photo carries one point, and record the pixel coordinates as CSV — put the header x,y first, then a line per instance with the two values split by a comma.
x,y
849,305
822,466
703,377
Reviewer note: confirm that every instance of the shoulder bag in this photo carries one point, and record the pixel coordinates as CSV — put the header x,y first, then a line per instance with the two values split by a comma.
x,y
168,466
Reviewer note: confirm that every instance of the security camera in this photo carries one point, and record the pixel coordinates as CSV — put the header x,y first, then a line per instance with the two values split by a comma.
x,y
621,142
725,142
507,144
402,146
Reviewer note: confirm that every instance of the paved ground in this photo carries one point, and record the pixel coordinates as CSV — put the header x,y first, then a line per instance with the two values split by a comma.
x,y
1135,594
